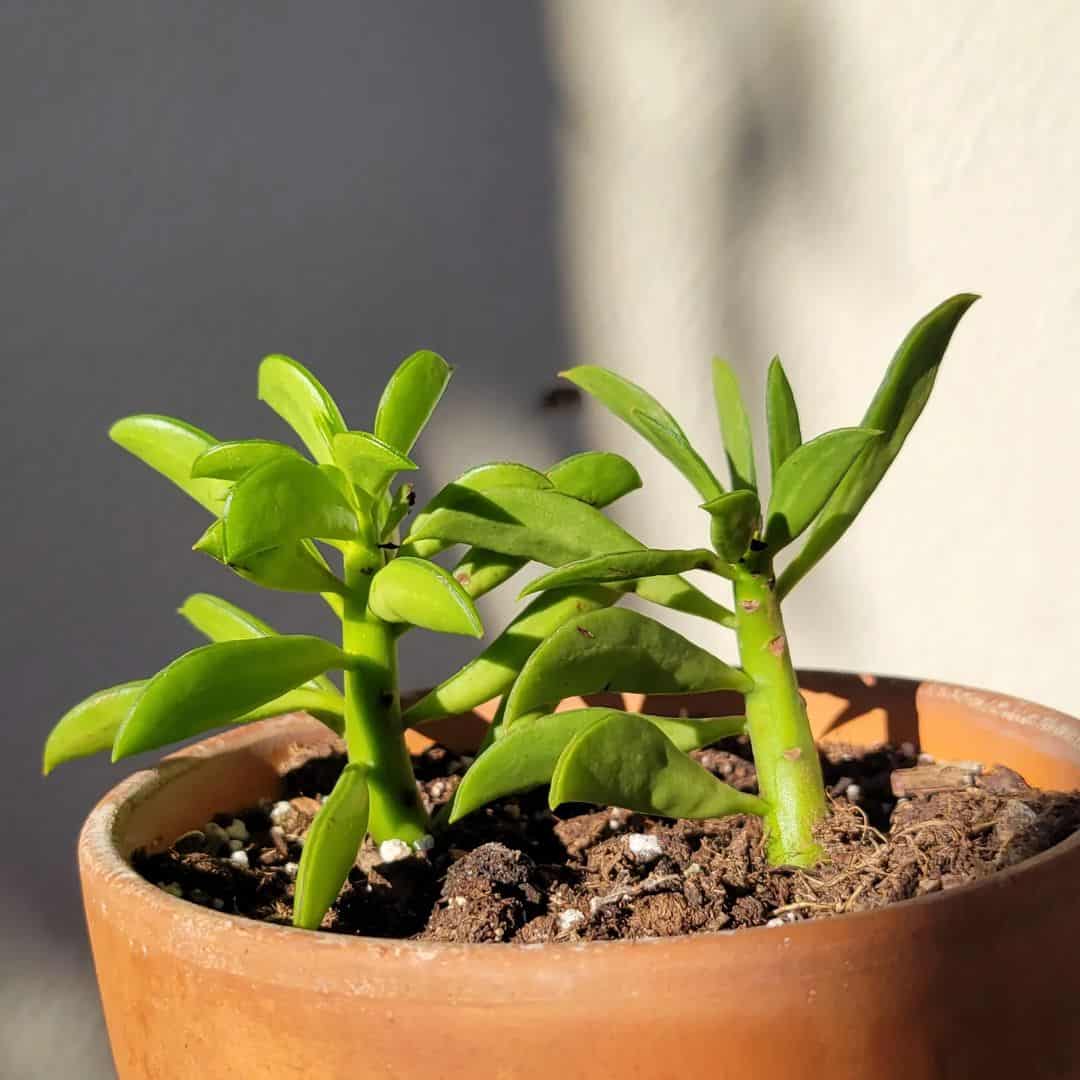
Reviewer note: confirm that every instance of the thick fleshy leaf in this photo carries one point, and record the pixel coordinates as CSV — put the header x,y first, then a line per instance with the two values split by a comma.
x,y
495,474
782,416
806,480
595,476
525,758
295,567
619,650
90,726
330,847
217,684
649,419
736,516
494,670
896,406
543,525
622,566
734,426
369,462
623,760
231,460
678,594
550,528
220,620
410,398
302,402
170,447
399,506
281,502
419,592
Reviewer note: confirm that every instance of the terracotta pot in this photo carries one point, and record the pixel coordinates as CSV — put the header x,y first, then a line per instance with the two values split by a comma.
x,y
981,981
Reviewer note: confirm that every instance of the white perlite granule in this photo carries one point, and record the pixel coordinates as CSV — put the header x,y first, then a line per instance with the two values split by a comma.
x,y
644,848
394,850
239,858
280,812
570,918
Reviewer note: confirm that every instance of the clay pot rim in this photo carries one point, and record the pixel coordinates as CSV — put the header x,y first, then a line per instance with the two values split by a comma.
x,y
97,848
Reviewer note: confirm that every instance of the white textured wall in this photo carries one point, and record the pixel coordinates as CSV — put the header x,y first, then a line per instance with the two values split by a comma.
x,y
809,179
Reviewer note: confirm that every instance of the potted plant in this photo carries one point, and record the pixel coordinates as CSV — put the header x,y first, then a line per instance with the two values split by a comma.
x,y
976,978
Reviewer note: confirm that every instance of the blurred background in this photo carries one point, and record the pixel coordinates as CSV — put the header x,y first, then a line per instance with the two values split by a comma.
x,y
186,187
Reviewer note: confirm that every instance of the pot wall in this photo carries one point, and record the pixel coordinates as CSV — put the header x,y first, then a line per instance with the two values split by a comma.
x,y
979,980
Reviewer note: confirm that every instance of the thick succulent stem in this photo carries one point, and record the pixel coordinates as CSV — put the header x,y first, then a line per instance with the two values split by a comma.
x,y
373,731
788,769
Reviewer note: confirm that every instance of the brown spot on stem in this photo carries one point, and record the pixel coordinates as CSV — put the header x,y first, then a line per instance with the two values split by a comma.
x,y
749,605
777,645
793,754
585,633
462,578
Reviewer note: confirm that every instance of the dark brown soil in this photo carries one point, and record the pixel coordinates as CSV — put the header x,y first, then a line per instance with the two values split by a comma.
x,y
900,827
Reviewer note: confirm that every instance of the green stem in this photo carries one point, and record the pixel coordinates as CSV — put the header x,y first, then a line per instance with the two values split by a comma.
x,y
373,732
788,769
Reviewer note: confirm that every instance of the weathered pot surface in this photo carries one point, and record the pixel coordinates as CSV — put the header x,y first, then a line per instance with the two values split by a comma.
x,y
980,981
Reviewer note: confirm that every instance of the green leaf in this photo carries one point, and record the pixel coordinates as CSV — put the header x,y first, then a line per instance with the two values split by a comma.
x,y
419,592
543,525
220,620
281,502
896,406
679,595
410,398
618,650
734,426
807,479
216,684
400,504
494,670
551,528
649,419
622,566
782,415
295,567
89,727
231,460
170,447
595,477
302,402
736,517
330,847
369,462
623,760
495,474
525,758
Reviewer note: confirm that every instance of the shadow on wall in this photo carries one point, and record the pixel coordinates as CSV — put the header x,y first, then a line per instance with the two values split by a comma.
x,y
699,150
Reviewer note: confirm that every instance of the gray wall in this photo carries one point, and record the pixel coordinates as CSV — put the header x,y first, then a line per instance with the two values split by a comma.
x,y
184,189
